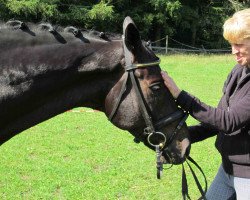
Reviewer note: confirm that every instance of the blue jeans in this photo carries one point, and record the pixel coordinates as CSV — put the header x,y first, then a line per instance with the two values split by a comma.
x,y
227,187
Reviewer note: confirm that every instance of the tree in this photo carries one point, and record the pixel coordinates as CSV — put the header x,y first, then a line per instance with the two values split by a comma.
x,y
194,22
59,11
34,9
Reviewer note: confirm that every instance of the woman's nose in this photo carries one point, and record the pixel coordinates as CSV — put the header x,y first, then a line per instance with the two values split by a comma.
x,y
234,49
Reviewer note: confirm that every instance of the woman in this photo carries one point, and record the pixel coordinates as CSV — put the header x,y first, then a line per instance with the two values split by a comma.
x,y
230,121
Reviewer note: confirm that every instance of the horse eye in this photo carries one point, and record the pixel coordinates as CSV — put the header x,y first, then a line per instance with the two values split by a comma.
x,y
155,86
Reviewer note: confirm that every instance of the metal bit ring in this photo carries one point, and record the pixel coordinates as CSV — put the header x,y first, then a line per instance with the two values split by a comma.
x,y
155,133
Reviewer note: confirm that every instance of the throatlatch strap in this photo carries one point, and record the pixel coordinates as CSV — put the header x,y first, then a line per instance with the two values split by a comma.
x,y
118,99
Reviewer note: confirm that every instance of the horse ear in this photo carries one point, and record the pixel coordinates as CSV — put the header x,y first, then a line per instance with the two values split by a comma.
x,y
131,35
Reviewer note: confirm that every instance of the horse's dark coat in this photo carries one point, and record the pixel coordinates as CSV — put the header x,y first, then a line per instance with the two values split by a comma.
x,y
45,71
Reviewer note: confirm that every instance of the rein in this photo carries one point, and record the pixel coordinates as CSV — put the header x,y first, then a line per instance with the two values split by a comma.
x,y
149,131
185,194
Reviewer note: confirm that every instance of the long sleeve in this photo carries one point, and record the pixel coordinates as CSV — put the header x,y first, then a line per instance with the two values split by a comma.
x,y
227,121
201,132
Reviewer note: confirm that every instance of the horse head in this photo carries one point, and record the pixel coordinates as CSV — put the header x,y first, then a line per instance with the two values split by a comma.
x,y
140,103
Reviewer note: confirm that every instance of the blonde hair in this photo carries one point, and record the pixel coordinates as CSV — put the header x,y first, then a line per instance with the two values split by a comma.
x,y
237,28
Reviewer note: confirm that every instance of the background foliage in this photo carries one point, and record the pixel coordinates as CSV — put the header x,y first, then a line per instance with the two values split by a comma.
x,y
194,22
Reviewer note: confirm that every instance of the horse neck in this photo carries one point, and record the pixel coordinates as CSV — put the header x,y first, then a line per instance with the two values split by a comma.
x,y
48,79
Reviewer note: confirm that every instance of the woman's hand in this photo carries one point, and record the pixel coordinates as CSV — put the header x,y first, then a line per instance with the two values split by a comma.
x,y
170,84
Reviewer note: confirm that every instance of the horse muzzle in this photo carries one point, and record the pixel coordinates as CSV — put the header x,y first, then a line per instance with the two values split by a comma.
x,y
176,154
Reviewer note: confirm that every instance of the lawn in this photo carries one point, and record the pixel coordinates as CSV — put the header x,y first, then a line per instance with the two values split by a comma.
x,y
81,155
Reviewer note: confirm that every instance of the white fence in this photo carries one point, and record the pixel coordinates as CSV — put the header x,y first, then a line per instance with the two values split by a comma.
x,y
183,48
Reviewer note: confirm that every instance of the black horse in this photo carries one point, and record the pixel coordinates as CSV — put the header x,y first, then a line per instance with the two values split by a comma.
x,y
45,71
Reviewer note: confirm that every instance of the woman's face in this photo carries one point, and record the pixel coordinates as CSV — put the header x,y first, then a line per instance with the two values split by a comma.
x,y
242,52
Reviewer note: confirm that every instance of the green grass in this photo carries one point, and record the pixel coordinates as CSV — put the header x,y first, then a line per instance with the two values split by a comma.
x,y
83,156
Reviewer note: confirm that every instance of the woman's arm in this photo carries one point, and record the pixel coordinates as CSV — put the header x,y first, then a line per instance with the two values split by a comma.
x,y
226,121
201,132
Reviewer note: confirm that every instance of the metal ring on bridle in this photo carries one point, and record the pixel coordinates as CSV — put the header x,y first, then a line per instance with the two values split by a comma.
x,y
155,133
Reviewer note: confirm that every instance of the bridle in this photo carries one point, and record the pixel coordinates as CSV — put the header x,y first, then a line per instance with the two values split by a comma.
x,y
151,127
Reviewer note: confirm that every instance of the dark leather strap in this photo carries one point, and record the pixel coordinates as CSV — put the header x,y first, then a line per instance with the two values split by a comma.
x,y
184,180
143,108
184,190
119,98
169,119
179,126
129,62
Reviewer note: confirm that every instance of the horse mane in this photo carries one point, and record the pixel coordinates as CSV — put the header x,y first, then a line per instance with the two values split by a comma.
x,y
17,35
38,28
